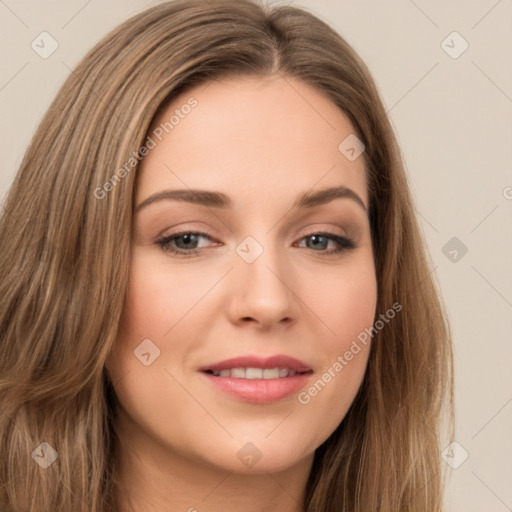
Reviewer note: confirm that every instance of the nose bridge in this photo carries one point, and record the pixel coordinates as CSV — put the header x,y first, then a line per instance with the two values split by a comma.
x,y
261,261
263,276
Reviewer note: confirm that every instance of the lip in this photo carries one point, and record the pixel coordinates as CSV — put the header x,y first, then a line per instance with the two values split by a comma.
x,y
278,361
259,391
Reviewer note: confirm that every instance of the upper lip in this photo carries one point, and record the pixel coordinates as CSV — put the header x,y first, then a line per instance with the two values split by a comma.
x,y
277,361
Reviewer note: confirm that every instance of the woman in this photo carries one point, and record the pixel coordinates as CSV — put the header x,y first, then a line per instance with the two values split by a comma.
x,y
296,357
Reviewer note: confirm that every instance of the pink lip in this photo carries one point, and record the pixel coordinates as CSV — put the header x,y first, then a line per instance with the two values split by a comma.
x,y
259,391
279,361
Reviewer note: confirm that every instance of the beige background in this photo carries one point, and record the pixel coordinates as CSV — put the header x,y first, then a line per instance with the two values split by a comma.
x,y
453,120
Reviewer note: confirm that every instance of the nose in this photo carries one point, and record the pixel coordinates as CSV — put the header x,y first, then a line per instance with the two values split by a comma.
x,y
261,291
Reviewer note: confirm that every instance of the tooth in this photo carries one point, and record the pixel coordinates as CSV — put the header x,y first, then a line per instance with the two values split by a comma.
x,y
253,373
271,373
238,373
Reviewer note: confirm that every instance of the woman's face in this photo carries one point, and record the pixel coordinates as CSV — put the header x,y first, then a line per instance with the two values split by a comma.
x,y
279,280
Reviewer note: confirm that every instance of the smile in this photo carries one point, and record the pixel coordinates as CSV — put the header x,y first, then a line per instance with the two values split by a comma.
x,y
258,380
255,373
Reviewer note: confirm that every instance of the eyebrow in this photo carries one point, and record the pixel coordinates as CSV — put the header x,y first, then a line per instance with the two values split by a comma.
x,y
219,200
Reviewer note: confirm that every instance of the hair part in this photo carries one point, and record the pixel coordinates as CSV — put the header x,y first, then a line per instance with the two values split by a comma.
x,y
65,257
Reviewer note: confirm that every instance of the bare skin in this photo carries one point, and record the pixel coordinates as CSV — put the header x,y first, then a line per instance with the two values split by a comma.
x,y
263,142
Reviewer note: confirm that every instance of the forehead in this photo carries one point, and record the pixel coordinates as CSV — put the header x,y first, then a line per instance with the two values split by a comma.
x,y
250,137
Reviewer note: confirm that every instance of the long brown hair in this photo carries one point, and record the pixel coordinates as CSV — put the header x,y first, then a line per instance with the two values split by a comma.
x,y
65,254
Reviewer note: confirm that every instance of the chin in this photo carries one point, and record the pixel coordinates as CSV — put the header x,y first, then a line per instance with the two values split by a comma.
x,y
258,454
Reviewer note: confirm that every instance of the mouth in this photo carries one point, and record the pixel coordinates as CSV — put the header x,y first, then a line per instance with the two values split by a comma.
x,y
258,380
256,373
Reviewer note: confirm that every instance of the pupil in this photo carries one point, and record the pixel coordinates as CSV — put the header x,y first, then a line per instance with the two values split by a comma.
x,y
187,239
315,239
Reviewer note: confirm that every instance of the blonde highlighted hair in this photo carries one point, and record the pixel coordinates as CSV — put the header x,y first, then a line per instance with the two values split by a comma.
x,y
65,255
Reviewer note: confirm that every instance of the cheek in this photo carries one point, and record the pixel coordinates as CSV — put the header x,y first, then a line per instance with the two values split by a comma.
x,y
159,305
345,300
158,298
346,306
156,301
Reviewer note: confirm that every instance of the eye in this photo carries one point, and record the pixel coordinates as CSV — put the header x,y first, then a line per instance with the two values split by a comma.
x,y
185,244
321,241
186,239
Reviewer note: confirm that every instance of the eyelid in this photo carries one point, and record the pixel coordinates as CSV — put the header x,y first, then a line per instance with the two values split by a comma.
x,y
344,243
336,231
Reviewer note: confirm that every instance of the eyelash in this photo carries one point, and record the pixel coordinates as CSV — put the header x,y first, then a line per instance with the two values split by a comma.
x,y
344,243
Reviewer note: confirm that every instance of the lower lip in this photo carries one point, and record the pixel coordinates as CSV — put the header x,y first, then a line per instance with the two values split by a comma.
x,y
259,391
